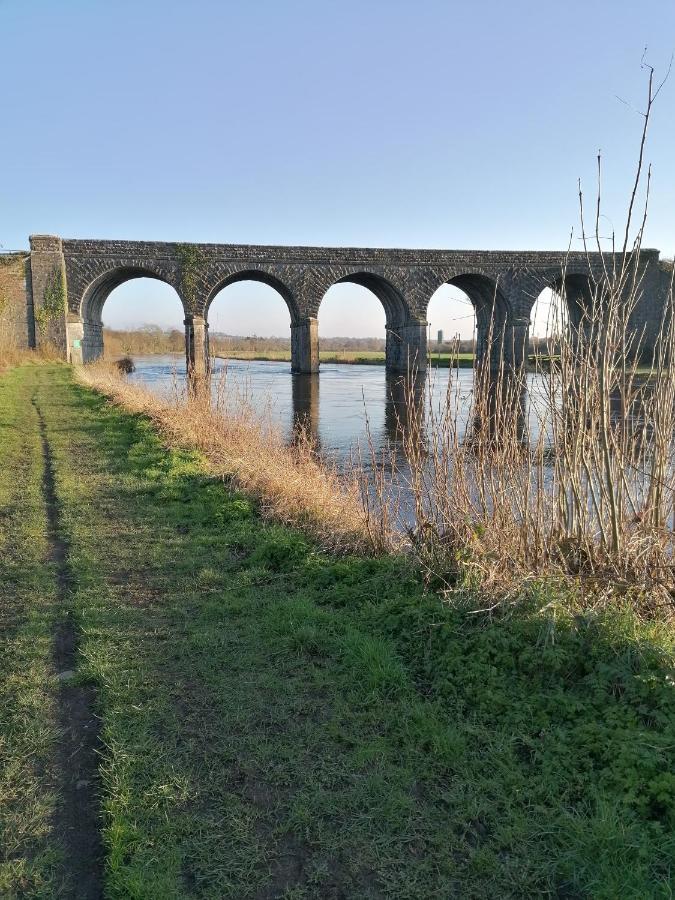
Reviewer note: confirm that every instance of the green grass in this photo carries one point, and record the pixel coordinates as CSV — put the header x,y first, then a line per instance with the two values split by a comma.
x,y
281,723
28,731
353,357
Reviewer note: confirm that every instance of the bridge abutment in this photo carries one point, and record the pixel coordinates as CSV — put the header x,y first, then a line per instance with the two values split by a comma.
x,y
49,293
305,346
76,339
17,325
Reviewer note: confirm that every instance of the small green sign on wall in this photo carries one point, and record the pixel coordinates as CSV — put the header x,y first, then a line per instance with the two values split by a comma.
x,y
77,343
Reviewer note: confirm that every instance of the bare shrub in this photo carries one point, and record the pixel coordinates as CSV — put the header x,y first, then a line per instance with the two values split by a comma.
x,y
588,494
125,365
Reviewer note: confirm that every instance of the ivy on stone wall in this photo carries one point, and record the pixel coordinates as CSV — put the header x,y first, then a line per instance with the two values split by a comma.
x,y
53,300
190,259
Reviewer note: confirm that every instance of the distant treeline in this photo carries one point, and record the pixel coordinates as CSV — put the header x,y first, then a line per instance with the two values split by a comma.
x,y
152,339
142,341
149,339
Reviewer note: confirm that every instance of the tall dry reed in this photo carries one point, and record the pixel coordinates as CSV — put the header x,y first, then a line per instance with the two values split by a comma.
x,y
580,485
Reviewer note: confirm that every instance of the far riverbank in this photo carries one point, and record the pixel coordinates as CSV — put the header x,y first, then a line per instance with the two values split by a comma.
x,y
348,357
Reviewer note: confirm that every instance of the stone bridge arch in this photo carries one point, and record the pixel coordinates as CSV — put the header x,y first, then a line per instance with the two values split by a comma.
x,y
405,335
576,288
405,332
496,315
87,311
391,297
287,282
279,282
218,281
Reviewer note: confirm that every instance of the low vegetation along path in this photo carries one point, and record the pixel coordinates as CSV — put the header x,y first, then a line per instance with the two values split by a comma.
x,y
198,703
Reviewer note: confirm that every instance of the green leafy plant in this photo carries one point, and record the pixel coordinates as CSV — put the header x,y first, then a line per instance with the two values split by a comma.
x,y
53,300
190,259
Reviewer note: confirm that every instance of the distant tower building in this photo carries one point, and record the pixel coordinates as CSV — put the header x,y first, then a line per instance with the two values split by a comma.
x,y
440,335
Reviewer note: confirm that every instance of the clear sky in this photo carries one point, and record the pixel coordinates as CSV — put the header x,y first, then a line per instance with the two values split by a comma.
x,y
358,122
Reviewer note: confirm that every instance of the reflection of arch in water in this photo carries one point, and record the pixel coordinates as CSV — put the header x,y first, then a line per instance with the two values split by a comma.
x,y
305,395
404,405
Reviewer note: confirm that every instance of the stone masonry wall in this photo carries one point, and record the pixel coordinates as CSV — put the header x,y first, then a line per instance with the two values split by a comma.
x,y
49,290
15,304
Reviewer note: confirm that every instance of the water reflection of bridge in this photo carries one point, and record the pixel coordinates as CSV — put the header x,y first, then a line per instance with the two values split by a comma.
x,y
407,409
404,400
495,410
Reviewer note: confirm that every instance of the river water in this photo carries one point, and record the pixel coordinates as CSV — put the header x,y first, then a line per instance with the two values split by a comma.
x,y
345,407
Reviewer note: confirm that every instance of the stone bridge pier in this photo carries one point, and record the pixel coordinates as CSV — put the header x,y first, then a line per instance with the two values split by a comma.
x,y
305,346
406,347
197,355
68,282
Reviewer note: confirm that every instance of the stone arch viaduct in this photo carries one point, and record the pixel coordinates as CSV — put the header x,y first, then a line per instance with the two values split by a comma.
x,y
68,282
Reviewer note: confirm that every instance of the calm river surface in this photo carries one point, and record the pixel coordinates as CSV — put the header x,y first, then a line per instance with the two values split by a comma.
x,y
339,406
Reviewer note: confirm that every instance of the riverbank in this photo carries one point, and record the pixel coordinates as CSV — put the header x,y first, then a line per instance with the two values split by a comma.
x,y
348,357
271,719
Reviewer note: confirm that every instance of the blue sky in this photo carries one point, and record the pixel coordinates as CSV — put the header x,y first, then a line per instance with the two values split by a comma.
x,y
379,122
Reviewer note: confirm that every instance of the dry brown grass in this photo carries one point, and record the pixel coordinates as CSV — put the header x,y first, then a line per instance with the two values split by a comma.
x,y
11,355
291,484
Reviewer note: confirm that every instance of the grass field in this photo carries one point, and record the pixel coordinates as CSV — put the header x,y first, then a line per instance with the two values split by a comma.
x,y
355,357
277,722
